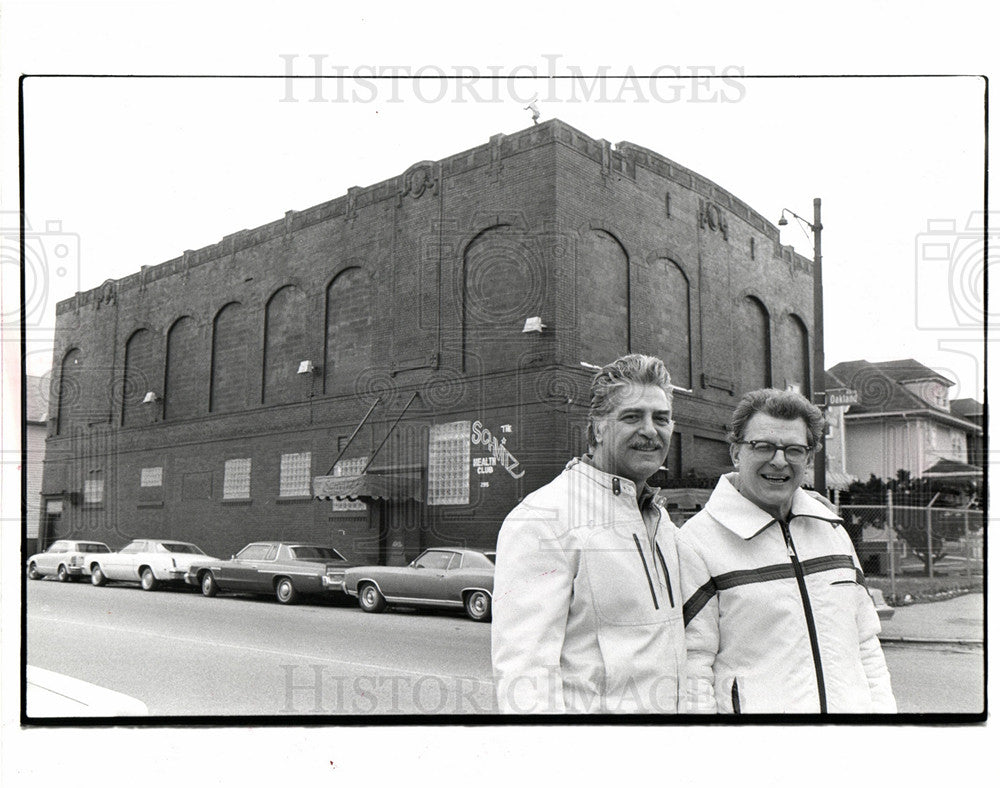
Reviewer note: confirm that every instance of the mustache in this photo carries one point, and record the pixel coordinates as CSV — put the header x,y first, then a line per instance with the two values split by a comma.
x,y
645,445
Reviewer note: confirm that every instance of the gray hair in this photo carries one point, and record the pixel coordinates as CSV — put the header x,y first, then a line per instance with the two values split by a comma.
x,y
786,405
634,368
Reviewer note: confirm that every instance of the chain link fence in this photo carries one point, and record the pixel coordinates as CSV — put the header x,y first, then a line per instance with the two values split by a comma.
x,y
910,540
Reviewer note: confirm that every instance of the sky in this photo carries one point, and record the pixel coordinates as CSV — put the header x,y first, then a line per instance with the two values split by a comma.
x,y
132,172
129,172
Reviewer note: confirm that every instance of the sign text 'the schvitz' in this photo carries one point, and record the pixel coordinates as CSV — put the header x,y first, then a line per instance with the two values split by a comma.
x,y
496,446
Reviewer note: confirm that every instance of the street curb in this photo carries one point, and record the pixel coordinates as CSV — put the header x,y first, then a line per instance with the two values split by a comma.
x,y
930,641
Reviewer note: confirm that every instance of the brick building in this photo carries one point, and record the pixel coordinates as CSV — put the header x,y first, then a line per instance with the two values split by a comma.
x,y
208,398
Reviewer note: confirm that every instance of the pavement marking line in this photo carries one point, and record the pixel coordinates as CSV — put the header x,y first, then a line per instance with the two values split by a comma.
x,y
273,652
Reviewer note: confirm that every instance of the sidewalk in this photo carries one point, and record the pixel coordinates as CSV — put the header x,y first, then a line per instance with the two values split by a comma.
x,y
956,619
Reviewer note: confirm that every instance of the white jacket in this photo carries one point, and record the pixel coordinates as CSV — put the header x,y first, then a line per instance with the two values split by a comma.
x,y
587,613
777,627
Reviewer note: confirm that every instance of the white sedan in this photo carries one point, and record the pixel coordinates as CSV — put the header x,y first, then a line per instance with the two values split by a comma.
x,y
64,559
148,562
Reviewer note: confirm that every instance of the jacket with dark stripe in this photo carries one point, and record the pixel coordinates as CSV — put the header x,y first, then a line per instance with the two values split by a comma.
x,y
772,632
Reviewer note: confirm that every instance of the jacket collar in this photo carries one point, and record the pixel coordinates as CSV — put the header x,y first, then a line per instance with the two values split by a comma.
x,y
616,484
745,519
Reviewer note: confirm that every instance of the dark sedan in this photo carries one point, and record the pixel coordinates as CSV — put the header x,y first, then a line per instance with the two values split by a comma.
x,y
455,577
286,569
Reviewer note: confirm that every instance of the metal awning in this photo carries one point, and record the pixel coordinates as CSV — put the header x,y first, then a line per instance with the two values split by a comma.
x,y
389,486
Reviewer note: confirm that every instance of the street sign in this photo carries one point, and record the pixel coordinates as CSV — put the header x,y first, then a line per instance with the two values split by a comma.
x,y
841,397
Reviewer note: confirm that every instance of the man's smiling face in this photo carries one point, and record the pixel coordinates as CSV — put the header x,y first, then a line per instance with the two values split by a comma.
x,y
771,483
632,440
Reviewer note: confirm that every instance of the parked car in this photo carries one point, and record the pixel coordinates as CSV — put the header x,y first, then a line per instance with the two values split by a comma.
x,y
64,559
148,562
439,577
286,569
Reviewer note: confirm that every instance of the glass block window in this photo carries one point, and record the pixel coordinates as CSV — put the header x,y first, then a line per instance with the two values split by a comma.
x,y
93,491
295,474
448,454
151,477
236,481
349,468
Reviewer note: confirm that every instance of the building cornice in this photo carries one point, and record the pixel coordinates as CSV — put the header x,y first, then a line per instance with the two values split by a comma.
x,y
924,413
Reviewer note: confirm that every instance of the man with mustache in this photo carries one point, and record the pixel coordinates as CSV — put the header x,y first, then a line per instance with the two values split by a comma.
x,y
586,599
778,617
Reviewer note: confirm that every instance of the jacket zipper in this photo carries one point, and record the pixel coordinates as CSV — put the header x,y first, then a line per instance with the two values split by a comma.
x,y
810,622
645,568
666,572
736,698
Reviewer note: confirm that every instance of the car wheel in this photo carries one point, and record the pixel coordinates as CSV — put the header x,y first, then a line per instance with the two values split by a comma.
x,y
285,591
208,584
147,580
63,574
97,576
371,599
478,605
33,573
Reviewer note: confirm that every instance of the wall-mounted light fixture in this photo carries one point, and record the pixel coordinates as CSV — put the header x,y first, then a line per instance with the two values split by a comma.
x,y
307,368
150,398
532,324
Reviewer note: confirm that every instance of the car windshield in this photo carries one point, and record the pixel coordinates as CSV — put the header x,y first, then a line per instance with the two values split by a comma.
x,y
92,547
181,547
306,552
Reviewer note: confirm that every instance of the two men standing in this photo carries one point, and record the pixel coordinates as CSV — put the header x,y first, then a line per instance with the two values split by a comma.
x,y
591,597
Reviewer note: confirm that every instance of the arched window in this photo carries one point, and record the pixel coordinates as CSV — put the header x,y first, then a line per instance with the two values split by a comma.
x,y
603,308
348,337
503,283
670,319
183,393
286,344
753,350
69,410
141,376
798,355
231,341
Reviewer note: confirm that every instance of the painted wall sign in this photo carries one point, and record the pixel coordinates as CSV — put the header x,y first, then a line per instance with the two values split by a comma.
x,y
481,436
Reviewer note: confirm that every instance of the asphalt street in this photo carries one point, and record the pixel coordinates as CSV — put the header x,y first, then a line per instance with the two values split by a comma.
x,y
183,654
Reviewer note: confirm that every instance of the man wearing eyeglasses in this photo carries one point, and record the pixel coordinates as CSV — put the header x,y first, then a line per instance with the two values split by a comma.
x,y
778,619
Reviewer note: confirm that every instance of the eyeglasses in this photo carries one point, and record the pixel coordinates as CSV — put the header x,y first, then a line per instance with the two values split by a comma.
x,y
765,450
